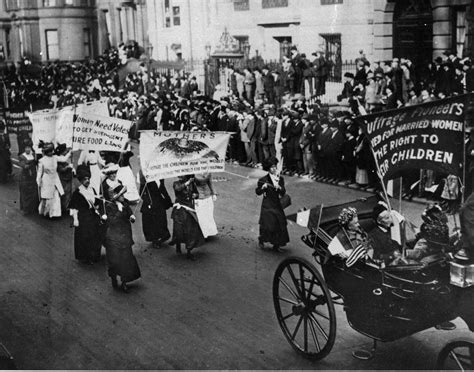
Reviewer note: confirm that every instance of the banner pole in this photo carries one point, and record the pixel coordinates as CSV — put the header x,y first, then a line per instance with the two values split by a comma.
x,y
379,174
400,196
463,161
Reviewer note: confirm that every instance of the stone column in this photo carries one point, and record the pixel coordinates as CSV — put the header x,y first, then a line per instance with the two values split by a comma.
x,y
383,30
442,33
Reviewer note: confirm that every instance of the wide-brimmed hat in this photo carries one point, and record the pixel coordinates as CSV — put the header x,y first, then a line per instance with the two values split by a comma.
x,y
110,169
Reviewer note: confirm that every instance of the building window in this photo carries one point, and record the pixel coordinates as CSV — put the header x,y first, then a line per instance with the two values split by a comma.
x,y
69,2
459,30
240,5
331,2
12,5
87,42
167,13
8,41
176,16
52,44
243,40
274,3
50,3
331,46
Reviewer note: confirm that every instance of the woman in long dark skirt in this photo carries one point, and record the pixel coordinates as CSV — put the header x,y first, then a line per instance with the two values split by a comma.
x,y
85,209
5,155
29,199
118,242
156,201
272,220
185,223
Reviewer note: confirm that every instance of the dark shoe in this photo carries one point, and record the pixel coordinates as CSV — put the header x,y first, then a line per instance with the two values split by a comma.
x,y
124,287
277,248
190,256
114,282
178,248
446,326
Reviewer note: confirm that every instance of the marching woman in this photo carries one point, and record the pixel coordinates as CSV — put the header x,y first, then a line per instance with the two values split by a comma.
x,y
205,204
156,201
48,181
118,241
185,222
65,172
272,218
88,226
28,188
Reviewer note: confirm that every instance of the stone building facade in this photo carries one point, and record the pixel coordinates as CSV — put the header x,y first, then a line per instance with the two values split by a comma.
x,y
418,29
43,30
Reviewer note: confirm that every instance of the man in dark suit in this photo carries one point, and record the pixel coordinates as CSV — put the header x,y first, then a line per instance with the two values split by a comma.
x,y
321,71
334,152
322,143
385,248
268,85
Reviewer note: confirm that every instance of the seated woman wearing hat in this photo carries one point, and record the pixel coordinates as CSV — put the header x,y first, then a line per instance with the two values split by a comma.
x,y
118,240
84,209
272,220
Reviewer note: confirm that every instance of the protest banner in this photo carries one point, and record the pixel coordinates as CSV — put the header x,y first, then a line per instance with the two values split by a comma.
x,y
426,136
44,126
169,154
17,121
100,133
64,125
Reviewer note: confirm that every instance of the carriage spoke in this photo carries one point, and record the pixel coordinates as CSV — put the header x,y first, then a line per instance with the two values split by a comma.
x,y
319,327
288,287
295,281
321,314
315,337
302,280
455,357
305,334
296,328
288,316
310,289
287,300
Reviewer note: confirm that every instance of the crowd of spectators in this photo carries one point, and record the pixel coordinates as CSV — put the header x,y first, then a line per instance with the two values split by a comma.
x,y
273,112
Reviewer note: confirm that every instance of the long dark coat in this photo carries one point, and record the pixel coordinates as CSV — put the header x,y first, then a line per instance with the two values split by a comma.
x,y
155,202
88,235
29,199
185,224
272,218
118,243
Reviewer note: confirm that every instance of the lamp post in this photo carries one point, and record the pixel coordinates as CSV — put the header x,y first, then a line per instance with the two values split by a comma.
x,y
149,49
207,77
246,48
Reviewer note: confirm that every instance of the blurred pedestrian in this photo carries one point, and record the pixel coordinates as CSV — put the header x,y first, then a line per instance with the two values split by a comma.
x,y
272,219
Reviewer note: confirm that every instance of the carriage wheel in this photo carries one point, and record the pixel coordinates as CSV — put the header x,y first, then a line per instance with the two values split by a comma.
x,y
457,355
304,307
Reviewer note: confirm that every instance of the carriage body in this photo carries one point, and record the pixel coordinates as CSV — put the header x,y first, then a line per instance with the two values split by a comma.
x,y
384,304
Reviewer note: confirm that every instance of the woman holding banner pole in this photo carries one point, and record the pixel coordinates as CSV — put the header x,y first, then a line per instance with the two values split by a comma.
x,y
93,160
185,222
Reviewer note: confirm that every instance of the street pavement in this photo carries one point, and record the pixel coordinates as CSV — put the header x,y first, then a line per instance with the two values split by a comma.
x,y
213,313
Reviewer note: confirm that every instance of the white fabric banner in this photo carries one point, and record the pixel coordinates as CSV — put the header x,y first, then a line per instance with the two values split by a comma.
x,y
44,126
168,154
100,133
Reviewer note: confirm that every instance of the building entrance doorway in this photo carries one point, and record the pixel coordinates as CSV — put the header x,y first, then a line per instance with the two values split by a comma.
x,y
413,31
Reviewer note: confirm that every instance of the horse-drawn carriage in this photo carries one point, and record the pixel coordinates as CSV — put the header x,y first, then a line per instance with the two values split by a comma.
x,y
383,303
